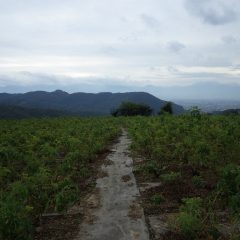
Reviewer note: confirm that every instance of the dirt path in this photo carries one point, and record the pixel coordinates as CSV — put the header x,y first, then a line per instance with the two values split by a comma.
x,y
113,211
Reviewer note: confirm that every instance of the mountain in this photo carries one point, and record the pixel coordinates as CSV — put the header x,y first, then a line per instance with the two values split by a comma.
x,y
204,90
82,103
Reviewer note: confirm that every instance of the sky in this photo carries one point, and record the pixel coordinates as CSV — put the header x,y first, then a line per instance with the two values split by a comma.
x,y
116,45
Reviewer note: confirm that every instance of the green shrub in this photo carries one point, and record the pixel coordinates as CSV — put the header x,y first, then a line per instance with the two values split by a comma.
x,y
132,109
152,167
167,108
4,173
190,226
189,218
15,220
195,112
157,199
66,195
198,181
229,185
192,206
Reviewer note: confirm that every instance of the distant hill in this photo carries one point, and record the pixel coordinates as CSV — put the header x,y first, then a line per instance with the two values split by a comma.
x,y
82,103
227,112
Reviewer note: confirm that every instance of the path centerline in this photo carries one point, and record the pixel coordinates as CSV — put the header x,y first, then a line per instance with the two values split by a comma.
x,y
117,213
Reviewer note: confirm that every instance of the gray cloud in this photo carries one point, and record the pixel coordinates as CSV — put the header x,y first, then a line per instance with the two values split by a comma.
x,y
215,12
175,46
25,78
106,44
150,21
228,39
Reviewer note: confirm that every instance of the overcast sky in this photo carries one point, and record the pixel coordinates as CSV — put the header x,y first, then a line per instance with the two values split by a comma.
x,y
99,43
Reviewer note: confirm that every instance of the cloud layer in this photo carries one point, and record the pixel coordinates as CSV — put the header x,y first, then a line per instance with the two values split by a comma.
x,y
215,12
100,44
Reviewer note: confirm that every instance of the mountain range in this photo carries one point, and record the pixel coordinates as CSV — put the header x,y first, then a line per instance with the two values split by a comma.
x,y
81,103
201,90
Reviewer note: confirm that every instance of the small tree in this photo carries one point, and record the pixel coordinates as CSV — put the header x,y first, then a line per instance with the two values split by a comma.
x,y
167,108
131,109
195,111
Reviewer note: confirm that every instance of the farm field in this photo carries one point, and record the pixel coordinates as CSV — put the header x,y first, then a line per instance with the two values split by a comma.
x,y
192,162
46,166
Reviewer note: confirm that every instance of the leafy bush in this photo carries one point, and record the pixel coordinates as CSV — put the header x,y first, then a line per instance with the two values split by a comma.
x,y
192,206
157,199
189,218
152,167
167,108
132,109
189,225
229,185
66,195
195,112
198,181
15,220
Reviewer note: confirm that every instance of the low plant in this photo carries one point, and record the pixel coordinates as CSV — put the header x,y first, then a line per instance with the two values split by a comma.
x,y
229,185
189,220
171,177
15,220
152,167
67,193
198,181
157,199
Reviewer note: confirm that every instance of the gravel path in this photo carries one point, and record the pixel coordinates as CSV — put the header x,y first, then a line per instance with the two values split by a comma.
x,y
113,211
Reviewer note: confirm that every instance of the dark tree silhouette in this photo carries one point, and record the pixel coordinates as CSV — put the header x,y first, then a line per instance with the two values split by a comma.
x,y
132,109
167,108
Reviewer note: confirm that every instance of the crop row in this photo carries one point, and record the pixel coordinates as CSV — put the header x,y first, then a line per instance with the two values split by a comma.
x,y
196,158
44,167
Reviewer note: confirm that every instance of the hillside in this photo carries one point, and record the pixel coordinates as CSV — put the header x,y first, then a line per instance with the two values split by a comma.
x,y
17,112
86,103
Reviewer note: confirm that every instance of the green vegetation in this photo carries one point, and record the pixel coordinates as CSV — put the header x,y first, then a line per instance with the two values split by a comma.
x,y
189,218
17,112
198,181
229,187
167,108
44,167
157,199
132,109
196,157
171,177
